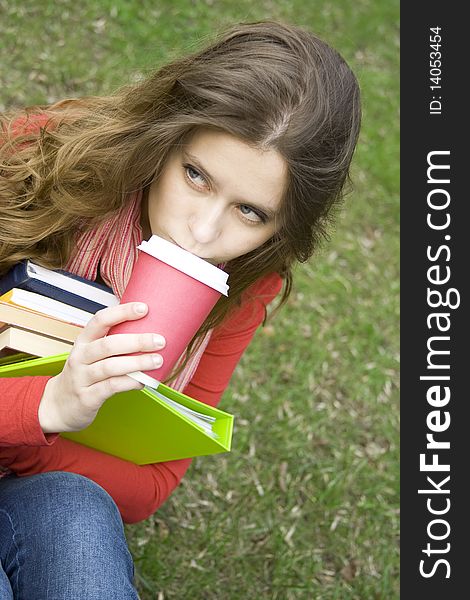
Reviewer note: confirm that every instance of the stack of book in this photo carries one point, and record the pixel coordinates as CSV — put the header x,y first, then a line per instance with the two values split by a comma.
x,y
41,314
43,311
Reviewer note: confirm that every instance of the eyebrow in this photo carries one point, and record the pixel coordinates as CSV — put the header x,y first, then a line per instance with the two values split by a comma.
x,y
269,212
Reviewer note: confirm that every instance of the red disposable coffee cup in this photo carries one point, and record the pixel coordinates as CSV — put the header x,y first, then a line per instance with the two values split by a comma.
x,y
180,290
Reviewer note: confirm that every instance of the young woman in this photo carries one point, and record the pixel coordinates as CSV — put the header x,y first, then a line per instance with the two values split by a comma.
x,y
238,153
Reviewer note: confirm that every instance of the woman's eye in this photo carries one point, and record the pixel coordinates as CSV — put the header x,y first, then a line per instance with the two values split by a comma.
x,y
252,215
194,176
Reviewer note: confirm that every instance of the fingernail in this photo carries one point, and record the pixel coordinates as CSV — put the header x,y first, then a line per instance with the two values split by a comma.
x,y
159,341
140,308
157,360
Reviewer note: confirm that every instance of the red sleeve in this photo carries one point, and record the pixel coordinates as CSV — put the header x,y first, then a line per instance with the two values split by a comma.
x,y
20,397
140,490
19,423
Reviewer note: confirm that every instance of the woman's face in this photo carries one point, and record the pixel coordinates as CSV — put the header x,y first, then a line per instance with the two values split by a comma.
x,y
217,197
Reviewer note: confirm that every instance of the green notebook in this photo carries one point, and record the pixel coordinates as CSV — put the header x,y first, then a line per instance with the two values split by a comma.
x,y
139,425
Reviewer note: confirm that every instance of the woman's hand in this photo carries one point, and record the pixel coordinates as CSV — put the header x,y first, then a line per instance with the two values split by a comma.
x,y
96,369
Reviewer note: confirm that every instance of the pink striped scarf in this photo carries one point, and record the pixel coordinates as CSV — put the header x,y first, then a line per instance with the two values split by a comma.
x,y
112,247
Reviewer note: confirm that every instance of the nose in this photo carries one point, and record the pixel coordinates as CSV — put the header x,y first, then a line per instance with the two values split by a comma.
x,y
206,224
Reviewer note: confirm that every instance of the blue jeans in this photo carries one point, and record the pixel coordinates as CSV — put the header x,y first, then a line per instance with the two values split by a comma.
x,y
61,538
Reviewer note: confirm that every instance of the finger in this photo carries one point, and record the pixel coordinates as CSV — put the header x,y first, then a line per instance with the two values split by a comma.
x,y
104,319
118,344
117,366
101,391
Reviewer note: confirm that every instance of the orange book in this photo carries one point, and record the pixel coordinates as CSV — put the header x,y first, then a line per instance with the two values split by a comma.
x,y
38,322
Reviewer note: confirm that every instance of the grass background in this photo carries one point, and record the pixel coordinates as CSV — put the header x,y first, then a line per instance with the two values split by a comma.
x,y
306,504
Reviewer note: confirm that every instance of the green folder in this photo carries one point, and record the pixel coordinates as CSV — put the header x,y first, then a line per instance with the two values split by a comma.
x,y
137,425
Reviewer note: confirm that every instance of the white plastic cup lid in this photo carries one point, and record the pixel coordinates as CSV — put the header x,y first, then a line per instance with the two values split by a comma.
x,y
188,263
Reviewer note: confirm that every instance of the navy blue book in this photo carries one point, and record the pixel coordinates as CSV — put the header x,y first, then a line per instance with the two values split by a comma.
x,y
59,285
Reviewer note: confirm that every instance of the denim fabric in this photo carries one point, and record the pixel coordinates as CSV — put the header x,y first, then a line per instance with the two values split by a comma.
x,y
61,538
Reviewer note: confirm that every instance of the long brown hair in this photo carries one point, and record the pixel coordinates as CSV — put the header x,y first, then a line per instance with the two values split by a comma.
x,y
272,85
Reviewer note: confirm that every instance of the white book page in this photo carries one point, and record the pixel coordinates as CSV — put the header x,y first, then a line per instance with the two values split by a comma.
x,y
203,421
51,307
151,384
80,288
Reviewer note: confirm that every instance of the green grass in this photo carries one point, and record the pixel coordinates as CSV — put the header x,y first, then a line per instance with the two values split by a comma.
x,y
306,504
